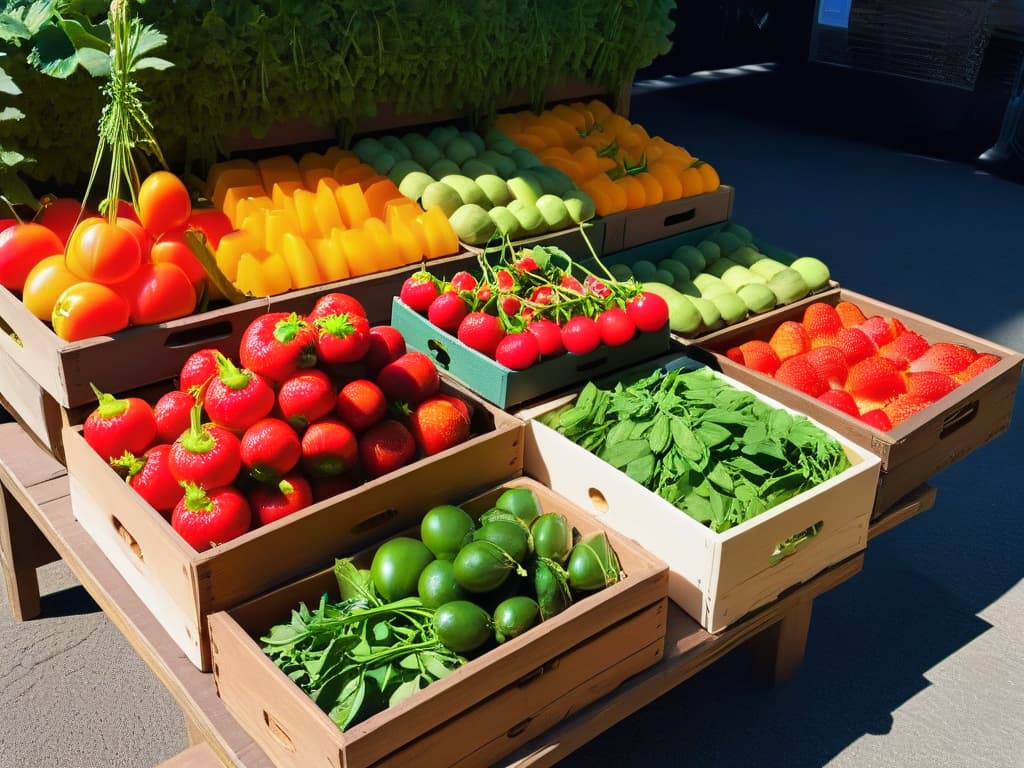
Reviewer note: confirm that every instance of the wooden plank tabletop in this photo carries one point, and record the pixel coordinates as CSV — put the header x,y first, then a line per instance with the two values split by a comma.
x,y
39,484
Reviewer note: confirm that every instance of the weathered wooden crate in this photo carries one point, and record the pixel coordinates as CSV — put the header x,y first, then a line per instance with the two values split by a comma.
x,y
182,586
717,578
628,229
913,451
478,713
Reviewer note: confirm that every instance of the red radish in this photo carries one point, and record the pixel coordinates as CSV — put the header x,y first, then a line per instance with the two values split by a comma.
x,y
198,369
207,518
335,304
438,425
615,326
385,447
206,455
595,287
418,291
483,294
386,345
305,397
272,502
172,413
269,449
361,404
237,398
410,379
510,305
342,338
548,335
481,332
150,477
328,448
580,335
463,281
518,351
278,344
326,487
118,425
447,311
648,311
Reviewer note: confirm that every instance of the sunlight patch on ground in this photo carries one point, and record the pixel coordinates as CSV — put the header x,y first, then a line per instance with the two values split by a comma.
x,y
703,76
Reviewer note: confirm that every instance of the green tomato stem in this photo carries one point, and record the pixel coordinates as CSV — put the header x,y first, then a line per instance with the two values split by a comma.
x,y
108,407
197,439
231,376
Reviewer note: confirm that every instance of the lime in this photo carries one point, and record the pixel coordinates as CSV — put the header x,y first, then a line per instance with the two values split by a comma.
x,y
462,626
510,536
552,536
514,616
437,584
482,566
397,565
521,502
445,529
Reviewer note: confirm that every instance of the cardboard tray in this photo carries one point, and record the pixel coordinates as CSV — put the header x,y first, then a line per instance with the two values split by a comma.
x,y
182,586
913,451
628,229
505,387
478,713
717,578
64,370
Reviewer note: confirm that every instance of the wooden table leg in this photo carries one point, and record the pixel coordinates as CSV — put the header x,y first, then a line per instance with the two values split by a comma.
x,y
779,650
22,549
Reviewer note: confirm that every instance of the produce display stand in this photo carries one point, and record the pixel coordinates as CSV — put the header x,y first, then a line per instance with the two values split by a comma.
x,y
37,527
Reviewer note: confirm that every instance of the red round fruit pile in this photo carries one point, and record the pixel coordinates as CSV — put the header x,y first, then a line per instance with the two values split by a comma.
x,y
534,307
315,406
872,368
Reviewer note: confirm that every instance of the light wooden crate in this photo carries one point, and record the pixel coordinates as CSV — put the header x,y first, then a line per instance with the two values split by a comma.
x,y
629,229
972,415
182,586
478,713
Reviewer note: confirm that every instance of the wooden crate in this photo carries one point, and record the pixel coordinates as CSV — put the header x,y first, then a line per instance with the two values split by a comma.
x,y
913,451
64,369
478,713
182,586
717,578
628,229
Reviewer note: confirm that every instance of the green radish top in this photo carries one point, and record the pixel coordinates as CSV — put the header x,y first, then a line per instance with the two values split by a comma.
x,y
198,439
230,375
109,406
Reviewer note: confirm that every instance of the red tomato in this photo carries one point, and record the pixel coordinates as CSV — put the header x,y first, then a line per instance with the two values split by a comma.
x,y
5,223
616,326
89,309
649,311
157,293
125,210
548,335
212,223
142,237
580,335
22,246
45,283
171,248
102,252
518,351
164,203
60,214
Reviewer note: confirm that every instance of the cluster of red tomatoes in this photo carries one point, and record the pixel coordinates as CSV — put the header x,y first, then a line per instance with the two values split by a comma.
x,y
91,275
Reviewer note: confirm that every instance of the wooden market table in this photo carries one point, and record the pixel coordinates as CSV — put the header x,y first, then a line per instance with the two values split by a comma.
x,y
37,526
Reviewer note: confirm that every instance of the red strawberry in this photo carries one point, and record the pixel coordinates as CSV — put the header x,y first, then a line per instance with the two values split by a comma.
x,y
418,291
361,404
850,314
734,354
854,344
305,397
481,332
929,385
411,379
386,345
326,487
875,380
821,321
904,406
898,328
830,365
335,304
172,414
981,363
798,373
570,283
269,449
841,401
905,348
447,311
150,477
342,338
789,339
505,280
877,419
438,425
207,455
328,448
458,402
207,518
199,368
385,447
118,425
237,398
549,337
277,344
878,329
944,357
463,281
272,502
759,356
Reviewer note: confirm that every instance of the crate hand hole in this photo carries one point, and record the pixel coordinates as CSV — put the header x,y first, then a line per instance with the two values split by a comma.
x,y
278,732
375,521
439,353
788,547
961,417
127,538
598,500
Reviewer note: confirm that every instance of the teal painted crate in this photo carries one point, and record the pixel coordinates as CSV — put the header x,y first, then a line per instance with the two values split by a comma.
x,y
505,387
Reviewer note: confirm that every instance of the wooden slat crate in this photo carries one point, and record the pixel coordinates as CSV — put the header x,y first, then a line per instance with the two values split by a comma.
x,y
628,229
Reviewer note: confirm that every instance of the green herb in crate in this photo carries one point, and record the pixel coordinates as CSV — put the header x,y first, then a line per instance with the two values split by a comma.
x,y
718,453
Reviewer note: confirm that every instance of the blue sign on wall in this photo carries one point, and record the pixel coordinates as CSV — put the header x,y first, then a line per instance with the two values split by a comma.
x,y
834,13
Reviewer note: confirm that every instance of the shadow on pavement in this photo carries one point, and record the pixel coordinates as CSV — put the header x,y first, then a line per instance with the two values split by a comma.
x,y
71,601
